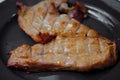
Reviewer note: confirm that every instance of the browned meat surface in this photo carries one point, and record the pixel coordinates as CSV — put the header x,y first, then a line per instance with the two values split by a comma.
x,y
79,53
44,18
75,46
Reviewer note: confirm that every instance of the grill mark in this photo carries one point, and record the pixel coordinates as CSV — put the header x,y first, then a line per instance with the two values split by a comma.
x,y
31,52
46,13
52,14
85,34
98,51
78,28
88,46
67,23
34,13
100,46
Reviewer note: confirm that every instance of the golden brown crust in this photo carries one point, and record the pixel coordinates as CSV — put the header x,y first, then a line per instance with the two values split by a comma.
x,y
80,54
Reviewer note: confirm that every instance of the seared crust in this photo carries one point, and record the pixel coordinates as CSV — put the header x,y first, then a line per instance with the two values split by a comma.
x,y
80,54
44,18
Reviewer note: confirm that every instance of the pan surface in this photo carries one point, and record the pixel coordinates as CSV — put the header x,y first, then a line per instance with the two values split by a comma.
x,y
101,17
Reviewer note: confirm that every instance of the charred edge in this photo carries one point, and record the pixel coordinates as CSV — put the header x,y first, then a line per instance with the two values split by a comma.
x,y
81,7
79,12
46,37
24,68
19,4
22,9
36,67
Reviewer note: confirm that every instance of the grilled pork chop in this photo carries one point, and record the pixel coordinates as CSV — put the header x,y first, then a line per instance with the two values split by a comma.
x,y
78,53
43,22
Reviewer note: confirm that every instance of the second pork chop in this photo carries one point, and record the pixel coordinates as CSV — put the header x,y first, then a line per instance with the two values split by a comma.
x,y
43,22
80,54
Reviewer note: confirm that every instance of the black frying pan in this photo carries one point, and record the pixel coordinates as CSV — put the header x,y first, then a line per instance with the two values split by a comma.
x,y
103,18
